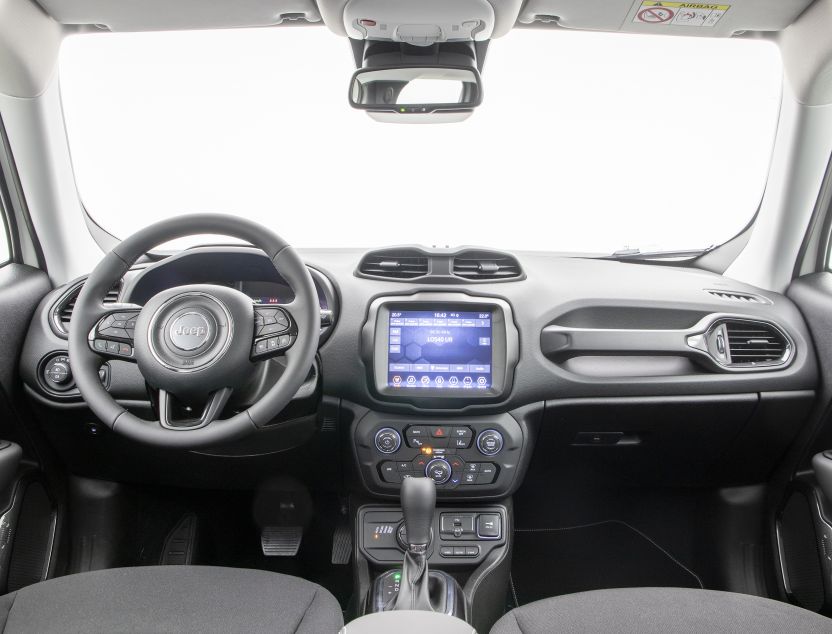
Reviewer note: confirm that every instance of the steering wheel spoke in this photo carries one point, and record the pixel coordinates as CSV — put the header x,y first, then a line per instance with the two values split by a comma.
x,y
211,412
112,335
274,332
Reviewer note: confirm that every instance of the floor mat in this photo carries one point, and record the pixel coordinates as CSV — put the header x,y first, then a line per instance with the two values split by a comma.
x,y
553,561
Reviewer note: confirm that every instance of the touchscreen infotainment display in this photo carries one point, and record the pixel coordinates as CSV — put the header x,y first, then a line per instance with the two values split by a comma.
x,y
439,349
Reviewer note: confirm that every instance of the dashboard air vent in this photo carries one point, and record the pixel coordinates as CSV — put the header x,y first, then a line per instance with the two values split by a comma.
x,y
63,311
734,296
401,264
486,265
755,343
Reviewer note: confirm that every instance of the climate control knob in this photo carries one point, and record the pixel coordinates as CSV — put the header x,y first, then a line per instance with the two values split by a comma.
x,y
388,440
438,470
490,442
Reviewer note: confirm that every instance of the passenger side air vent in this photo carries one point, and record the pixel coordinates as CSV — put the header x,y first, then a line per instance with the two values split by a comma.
x,y
734,296
486,265
752,343
62,313
399,264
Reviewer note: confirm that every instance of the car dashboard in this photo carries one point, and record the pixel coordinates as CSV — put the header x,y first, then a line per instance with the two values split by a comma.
x,y
460,364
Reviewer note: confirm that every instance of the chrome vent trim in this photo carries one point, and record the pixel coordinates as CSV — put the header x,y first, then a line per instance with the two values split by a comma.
x,y
744,344
395,264
486,265
63,308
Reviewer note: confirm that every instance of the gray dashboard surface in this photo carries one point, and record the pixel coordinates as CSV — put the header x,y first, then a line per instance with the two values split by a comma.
x,y
577,292
555,287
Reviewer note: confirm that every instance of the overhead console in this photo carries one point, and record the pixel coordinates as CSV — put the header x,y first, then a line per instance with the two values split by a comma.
x,y
440,350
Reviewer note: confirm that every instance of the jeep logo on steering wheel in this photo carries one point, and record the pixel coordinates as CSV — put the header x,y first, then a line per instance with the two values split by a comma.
x,y
189,331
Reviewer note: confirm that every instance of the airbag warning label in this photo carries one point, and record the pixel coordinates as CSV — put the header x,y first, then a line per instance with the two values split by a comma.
x,y
680,13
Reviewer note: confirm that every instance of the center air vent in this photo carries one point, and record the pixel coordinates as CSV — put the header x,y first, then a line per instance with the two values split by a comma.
x,y
486,265
754,343
62,312
398,264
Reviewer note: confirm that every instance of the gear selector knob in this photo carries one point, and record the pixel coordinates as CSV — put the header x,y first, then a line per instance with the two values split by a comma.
x,y
418,497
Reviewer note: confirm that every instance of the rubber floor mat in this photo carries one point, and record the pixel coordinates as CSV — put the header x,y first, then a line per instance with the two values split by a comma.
x,y
552,561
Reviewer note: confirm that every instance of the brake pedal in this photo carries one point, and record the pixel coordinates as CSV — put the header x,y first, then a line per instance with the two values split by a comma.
x,y
180,543
281,541
341,545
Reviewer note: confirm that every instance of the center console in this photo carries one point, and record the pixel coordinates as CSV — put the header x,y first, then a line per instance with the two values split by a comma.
x,y
431,359
461,536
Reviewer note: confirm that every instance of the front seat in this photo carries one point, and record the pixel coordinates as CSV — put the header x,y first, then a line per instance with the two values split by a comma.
x,y
660,610
171,599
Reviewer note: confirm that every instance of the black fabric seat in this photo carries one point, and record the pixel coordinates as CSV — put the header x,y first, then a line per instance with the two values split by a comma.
x,y
171,599
660,610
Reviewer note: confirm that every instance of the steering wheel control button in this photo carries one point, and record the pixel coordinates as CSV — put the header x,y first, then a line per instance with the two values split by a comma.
x,y
489,526
116,326
270,321
388,440
438,470
490,442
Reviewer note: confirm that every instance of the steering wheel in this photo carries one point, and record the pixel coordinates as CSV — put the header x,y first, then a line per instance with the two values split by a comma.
x,y
197,343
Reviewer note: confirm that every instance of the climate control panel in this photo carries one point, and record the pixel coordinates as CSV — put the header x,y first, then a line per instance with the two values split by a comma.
x,y
465,457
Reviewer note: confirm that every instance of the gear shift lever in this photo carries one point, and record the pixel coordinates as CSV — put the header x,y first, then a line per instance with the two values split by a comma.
x,y
418,496
418,588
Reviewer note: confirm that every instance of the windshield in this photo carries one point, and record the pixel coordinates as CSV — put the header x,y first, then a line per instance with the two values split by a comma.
x,y
585,142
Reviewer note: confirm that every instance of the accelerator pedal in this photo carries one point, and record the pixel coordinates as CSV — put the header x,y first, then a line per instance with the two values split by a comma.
x,y
180,543
281,541
341,545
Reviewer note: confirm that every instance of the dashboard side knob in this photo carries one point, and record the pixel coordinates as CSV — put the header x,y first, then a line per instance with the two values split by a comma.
x,y
490,442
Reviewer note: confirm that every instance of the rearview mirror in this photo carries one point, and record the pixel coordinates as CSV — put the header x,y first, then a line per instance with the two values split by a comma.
x,y
416,90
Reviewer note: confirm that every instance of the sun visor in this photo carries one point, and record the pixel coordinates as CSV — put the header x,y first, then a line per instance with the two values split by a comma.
x,y
720,19
169,15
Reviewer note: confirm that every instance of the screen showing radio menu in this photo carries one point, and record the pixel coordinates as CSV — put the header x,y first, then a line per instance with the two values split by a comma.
x,y
439,349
